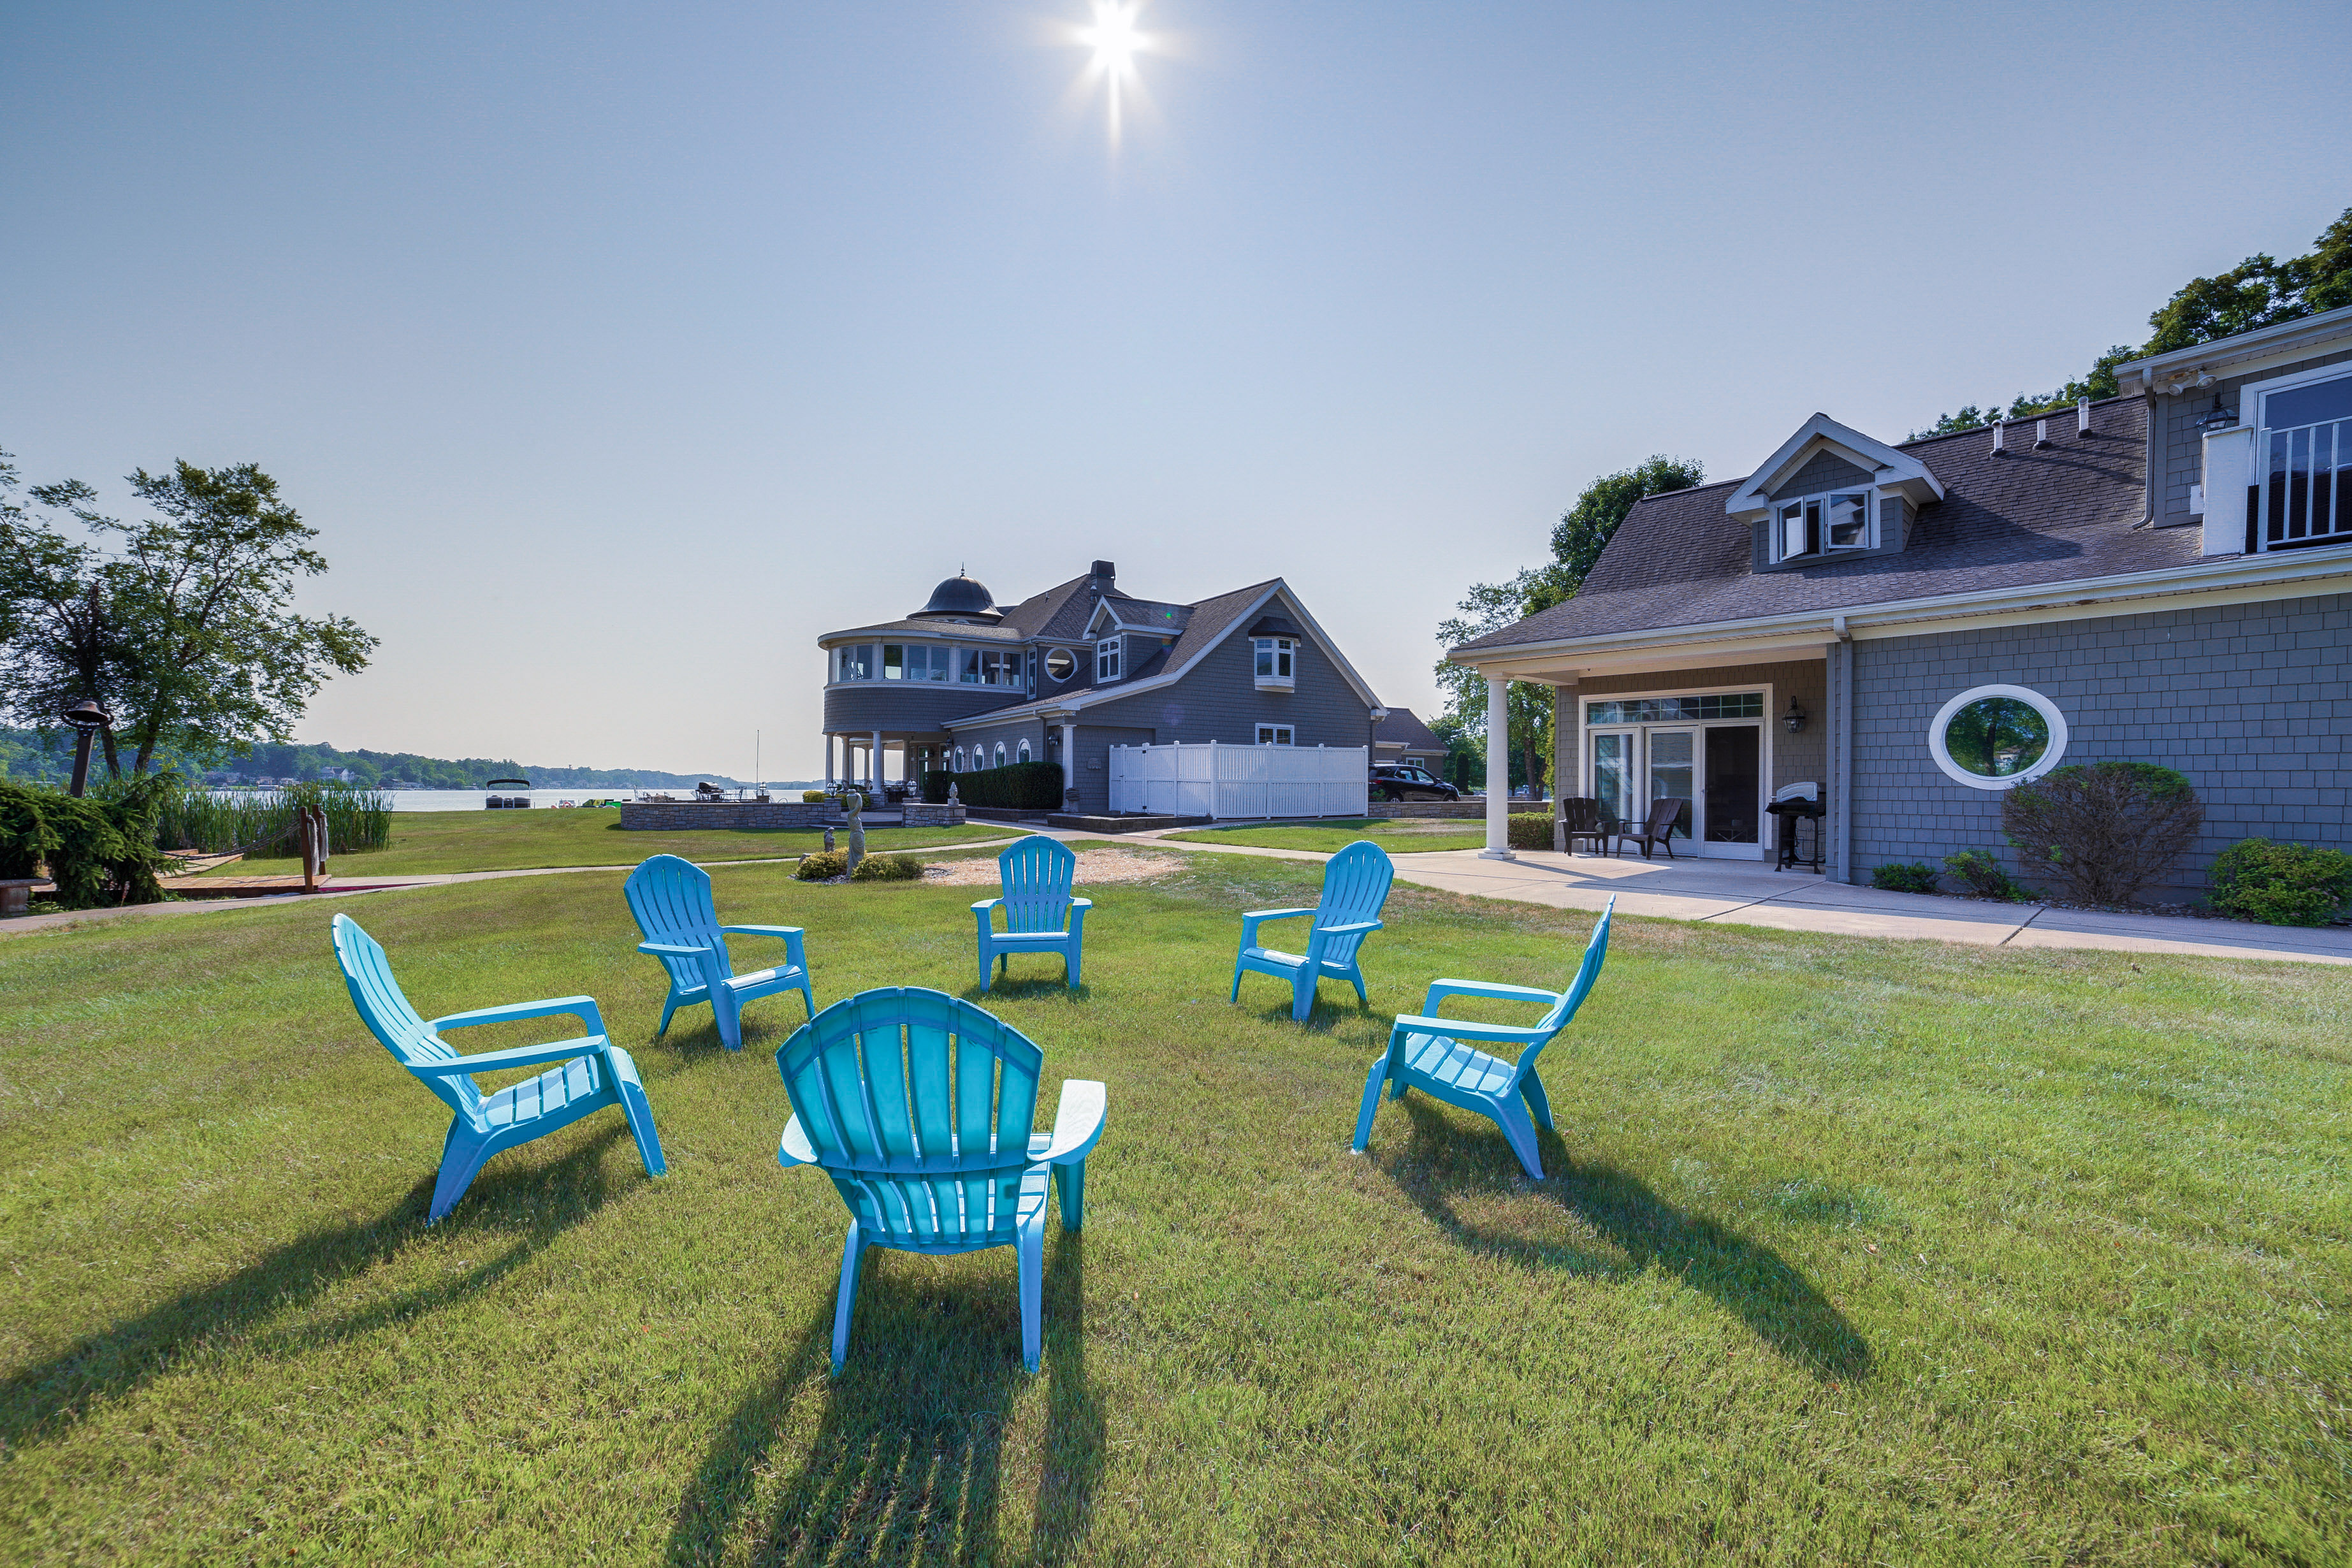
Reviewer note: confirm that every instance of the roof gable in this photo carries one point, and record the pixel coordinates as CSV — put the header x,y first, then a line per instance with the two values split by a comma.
x,y
1887,466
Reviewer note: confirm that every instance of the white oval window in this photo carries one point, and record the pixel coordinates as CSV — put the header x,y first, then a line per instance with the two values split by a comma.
x,y
1995,737
1059,664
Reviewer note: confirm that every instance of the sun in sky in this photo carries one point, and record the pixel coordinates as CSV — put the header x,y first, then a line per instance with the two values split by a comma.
x,y
1115,41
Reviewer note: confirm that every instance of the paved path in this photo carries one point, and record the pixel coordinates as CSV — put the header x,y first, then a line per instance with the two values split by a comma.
x,y
1707,891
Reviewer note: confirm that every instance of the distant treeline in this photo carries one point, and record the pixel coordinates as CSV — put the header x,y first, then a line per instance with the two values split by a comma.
x,y
27,754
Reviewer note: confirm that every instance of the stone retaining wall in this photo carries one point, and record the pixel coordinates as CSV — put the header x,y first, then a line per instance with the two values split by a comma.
x,y
1476,807
645,815
922,814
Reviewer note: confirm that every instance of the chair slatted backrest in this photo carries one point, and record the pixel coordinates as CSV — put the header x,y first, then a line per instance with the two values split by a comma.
x,y
1355,886
1596,952
919,1106
1665,813
1037,872
367,975
1580,814
671,899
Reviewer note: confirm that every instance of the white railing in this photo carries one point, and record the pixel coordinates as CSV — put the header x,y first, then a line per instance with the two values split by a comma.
x,y
1219,781
2306,483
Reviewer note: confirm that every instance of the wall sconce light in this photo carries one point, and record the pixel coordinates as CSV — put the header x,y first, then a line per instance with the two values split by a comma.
x,y
1794,718
2216,417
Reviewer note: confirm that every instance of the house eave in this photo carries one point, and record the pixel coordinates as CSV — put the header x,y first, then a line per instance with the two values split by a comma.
x,y
2178,369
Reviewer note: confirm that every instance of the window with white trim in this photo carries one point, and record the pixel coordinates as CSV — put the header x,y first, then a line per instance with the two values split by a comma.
x,y
1996,737
1274,735
1023,753
1811,527
1000,753
1106,659
2303,462
959,759
1276,660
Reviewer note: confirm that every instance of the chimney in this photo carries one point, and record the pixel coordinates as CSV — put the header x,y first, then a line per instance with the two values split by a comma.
x,y
1105,575
2000,429
2082,417
2041,433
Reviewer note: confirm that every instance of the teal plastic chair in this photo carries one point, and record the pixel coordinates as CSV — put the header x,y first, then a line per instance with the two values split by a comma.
x,y
671,899
1430,1054
1355,886
921,1109
1037,872
594,1072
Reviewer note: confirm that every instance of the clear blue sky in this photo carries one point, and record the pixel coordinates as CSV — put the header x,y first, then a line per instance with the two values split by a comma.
x,y
619,351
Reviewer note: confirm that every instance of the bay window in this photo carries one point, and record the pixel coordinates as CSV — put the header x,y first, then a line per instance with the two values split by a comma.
x,y
1276,661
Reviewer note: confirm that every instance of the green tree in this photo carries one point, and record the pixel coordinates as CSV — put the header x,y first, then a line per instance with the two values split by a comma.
x,y
1582,532
184,630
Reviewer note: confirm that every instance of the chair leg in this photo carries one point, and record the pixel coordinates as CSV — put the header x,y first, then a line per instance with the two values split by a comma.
x,y
987,969
1531,1090
640,1112
808,1000
1372,1081
1356,974
668,1007
728,1015
1302,995
1071,1181
1029,1260
461,1161
853,1251
1512,1117
1070,959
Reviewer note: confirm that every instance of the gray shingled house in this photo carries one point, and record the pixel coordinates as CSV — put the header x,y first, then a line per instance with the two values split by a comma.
x,y
1915,627
964,683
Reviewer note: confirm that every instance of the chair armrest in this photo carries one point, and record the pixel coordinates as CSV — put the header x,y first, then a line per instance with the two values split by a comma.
x,y
1256,918
1458,1029
985,905
519,1057
786,932
1441,989
794,1148
1082,903
671,950
1347,928
581,1007
1077,1122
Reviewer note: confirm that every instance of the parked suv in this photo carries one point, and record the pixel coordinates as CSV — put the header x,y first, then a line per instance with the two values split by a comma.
x,y
1402,781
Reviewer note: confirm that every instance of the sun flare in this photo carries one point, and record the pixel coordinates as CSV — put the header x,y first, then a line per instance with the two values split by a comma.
x,y
1115,41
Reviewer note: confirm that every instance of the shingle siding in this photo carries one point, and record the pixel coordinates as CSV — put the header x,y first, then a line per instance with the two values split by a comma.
x,y
2248,701
1826,471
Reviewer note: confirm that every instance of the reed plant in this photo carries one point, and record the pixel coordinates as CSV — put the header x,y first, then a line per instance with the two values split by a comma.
x,y
261,821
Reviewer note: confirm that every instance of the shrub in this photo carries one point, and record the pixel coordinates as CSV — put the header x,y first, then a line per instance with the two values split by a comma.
x,y
1985,878
888,869
2283,884
2105,830
1016,787
1529,831
1904,877
810,797
99,851
822,865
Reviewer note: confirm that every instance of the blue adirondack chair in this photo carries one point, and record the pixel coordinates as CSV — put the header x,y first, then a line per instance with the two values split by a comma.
x,y
1355,885
921,1109
671,898
1037,872
595,1072
1429,1053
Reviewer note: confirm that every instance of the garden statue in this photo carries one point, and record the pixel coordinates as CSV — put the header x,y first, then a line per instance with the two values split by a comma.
x,y
828,840
953,797
852,805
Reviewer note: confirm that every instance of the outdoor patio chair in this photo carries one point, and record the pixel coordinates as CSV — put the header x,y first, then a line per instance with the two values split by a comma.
x,y
1430,1054
1037,873
671,900
1658,828
922,1108
1355,888
595,1072
1580,817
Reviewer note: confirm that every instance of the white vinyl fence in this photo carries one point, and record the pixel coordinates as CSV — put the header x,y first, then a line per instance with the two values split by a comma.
x,y
1221,781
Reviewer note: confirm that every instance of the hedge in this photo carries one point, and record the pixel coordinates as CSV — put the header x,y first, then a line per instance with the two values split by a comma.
x,y
2283,884
100,849
1017,786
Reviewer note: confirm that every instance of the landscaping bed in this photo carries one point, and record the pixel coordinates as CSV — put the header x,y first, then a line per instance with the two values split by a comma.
x,y
1848,1251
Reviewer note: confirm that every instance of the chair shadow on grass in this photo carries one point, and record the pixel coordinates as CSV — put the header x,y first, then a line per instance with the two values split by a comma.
x,y
1018,988
904,1467
514,1213
1772,1297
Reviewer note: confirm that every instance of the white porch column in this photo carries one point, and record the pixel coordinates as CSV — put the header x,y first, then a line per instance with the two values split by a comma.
x,y
1499,772
828,761
874,762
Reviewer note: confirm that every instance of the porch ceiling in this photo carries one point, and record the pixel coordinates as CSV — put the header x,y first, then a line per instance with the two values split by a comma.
x,y
1564,667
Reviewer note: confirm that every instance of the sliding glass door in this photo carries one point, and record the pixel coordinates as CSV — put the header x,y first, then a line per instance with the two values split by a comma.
x,y
1715,770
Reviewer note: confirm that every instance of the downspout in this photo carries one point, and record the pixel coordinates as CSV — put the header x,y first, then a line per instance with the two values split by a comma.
x,y
1843,760
2151,482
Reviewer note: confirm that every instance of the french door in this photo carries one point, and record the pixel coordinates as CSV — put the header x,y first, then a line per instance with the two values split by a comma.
x,y
1715,768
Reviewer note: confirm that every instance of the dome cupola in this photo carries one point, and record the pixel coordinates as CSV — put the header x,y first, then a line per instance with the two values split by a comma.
x,y
960,599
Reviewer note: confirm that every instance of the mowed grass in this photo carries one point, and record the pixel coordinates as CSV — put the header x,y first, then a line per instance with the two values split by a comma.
x,y
1848,1251
427,842
1398,836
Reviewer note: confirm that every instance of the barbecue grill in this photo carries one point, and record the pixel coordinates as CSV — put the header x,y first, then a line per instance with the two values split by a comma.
x,y
1795,804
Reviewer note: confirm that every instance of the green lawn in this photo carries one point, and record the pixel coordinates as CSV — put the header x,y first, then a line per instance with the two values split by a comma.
x,y
1849,1251
1398,836
425,842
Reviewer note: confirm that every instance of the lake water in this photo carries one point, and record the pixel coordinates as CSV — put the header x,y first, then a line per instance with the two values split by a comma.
x,y
471,799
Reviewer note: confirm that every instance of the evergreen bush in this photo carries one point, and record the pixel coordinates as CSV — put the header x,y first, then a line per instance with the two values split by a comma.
x,y
1017,786
822,865
1529,831
1904,877
888,869
2283,884
2105,830
812,796
1986,880
99,851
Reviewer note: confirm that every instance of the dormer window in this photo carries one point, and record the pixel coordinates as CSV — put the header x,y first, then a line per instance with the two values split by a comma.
x,y
1107,660
1817,525
1276,657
